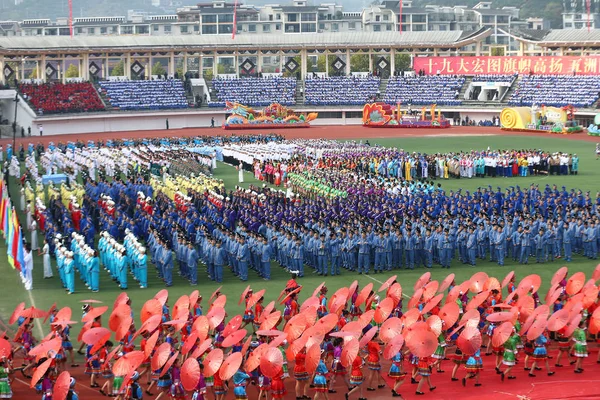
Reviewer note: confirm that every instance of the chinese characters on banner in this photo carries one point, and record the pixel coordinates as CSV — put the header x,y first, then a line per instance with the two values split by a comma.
x,y
508,65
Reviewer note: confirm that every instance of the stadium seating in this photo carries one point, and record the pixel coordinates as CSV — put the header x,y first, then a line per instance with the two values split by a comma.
x,y
340,90
254,91
493,78
424,90
556,91
145,95
54,98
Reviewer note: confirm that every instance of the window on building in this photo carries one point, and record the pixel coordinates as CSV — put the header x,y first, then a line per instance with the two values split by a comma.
x,y
225,18
308,16
91,31
502,19
378,18
142,30
568,25
386,17
486,19
443,28
278,17
577,16
266,28
103,31
388,27
209,19
64,32
155,28
196,28
277,27
225,29
79,30
209,29
376,28
292,17
578,25
184,29
309,27
352,25
322,26
418,28
270,17
252,28
167,28
335,27
418,18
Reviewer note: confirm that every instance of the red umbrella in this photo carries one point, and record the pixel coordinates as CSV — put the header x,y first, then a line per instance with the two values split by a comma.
x,y
181,308
317,291
16,313
130,361
213,362
529,283
162,296
431,304
61,387
367,337
477,281
384,309
243,295
430,289
395,292
337,303
342,292
201,326
449,314
471,317
491,284
169,363
537,329
278,340
6,349
575,283
220,301
435,324
477,300
327,323
388,283
215,316
502,333
122,298
233,325
94,313
295,326
553,296
253,360
33,312
270,320
390,329
255,298
469,341
64,314
41,350
393,347
590,295
422,343
150,325
446,283
194,296
453,294
500,316
190,374
96,335
290,294
268,310
310,302
150,308
150,343
353,327
231,365
422,280
559,275
594,322
200,350
48,313
558,320
363,295
507,279
411,316
189,343
313,336
366,318
40,371
416,298
526,306
271,362
123,328
572,325
234,338
215,294
160,357
313,356
349,352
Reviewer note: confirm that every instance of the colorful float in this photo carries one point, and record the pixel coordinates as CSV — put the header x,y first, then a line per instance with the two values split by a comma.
x,y
594,129
383,115
543,119
274,116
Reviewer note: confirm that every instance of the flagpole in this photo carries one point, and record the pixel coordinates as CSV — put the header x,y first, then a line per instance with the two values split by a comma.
x,y
234,19
400,18
71,17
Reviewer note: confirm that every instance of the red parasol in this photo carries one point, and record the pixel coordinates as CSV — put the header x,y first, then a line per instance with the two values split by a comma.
x,y
313,356
168,364
64,314
526,306
363,295
507,279
6,348
500,316
231,365
390,329
150,325
295,327
327,323
290,294
190,374
201,326
352,288
346,334
278,340
234,338
311,315
558,320
194,296
502,333
215,294
270,321
162,296
129,362
17,313
295,348
353,326
537,328
243,295
246,345
491,284
594,322
575,283
233,325
189,343
215,316
96,335
123,329
150,308
388,283
62,324
471,317
150,343
393,347
596,273
449,314
477,281
48,313
40,371
552,297
317,291
435,324
422,343
349,352
255,298
446,283
253,360
559,275
181,308
213,362
337,303
430,290
422,280
94,313
469,341
416,298
160,357
41,350
61,386
590,295
431,304
118,315
411,316
310,302
384,309
477,300
110,356
530,281
313,336
122,298
33,312
342,293
271,362
572,325
219,301
395,292
367,337
200,350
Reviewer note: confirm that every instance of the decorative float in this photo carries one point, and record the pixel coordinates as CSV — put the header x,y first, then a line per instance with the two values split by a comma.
x,y
274,116
383,115
543,119
594,129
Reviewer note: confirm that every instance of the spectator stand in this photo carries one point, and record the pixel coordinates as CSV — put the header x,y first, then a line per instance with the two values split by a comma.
x,y
145,95
442,90
341,90
57,98
253,91
556,90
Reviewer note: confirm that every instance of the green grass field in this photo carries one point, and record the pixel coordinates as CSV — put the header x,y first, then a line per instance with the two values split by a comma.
x,y
46,292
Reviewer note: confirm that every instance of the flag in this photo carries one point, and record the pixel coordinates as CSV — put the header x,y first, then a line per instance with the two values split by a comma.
x,y
234,19
19,256
2,205
13,246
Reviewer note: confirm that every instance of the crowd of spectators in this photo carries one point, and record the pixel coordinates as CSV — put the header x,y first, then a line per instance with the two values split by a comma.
x,y
146,94
55,98
493,78
424,90
252,91
341,90
556,90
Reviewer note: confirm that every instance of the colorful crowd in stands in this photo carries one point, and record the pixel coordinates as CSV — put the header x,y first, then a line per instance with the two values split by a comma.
x,y
424,90
145,95
341,90
55,98
557,91
254,91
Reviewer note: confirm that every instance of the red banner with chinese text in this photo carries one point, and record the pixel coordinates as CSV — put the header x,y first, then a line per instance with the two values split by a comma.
x,y
508,65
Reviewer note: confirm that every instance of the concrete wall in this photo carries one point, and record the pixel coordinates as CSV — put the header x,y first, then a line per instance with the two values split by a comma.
x,y
25,114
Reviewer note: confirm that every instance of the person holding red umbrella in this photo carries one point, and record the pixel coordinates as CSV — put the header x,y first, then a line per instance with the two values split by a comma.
x,y
134,390
579,348
240,380
540,353
320,380
278,390
564,346
264,385
72,394
396,373
337,369
200,391
301,375
177,392
424,370
373,364
107,387
474,366
509,356
5,389
248,317
219,387
356,378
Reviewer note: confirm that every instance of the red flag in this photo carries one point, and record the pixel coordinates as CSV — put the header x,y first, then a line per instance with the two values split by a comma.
x,y
71,17
234,20
400,18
